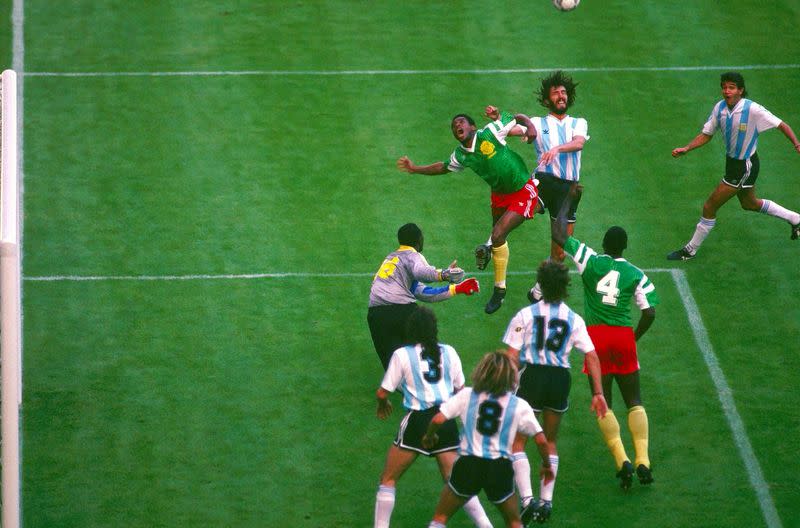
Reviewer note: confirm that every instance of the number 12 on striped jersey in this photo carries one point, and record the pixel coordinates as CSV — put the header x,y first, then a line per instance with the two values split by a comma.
x,y
608,287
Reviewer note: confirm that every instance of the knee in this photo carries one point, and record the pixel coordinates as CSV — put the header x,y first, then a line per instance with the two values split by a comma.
x,y
557,253
498,237
709,210
751,205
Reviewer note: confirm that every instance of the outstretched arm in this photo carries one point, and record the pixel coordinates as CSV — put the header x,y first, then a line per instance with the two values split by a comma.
x,y
699,140
559,231
647,318
789,133
406,165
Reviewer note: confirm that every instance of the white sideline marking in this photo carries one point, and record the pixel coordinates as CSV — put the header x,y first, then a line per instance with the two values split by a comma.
x,y
285,73
754,472
279,275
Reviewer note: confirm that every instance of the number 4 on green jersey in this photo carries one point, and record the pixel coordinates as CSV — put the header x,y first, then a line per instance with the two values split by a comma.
x,y
609,286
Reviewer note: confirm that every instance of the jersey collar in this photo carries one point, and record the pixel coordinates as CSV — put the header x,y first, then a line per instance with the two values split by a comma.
x,y
406,248
472,147
736,108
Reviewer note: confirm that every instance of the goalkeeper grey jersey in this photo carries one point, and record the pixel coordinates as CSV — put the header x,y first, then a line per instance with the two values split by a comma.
x,y
399,279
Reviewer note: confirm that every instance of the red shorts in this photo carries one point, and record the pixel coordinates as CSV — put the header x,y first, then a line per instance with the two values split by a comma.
x,y
523,201
616,348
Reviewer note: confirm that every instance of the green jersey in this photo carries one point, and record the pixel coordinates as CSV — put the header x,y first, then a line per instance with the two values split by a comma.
x,y
609,284
491,159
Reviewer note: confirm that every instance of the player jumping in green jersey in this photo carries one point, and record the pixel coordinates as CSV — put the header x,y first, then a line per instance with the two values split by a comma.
x,y
610,284
514,195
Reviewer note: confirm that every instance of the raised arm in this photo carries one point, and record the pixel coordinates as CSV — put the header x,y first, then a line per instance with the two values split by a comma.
x,y
789,133
529,131
406,165
647,318
699,140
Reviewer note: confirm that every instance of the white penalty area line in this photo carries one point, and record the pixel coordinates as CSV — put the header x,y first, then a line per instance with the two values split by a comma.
x,y
245,276
492,71
754,472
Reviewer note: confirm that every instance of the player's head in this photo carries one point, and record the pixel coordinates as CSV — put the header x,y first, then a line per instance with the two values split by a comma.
x,y
615,241
553,279
463,127
557,92
410,235
422,328
495,373
736,79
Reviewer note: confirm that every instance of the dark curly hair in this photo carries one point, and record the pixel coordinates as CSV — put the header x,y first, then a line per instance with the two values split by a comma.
x,y
734,77
553,278
557,78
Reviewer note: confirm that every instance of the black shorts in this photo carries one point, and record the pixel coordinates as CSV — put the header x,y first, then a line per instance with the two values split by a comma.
x,y
472,474
387,324
741,173
413,427
552,192
545,387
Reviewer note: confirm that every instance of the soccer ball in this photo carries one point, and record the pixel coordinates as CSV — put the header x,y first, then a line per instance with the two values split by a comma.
x,y
566,5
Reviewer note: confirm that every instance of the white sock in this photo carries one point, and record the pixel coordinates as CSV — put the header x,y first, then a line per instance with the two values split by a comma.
x,y
522,476
384,504
773,209
435,524
703,228
546,491
476,512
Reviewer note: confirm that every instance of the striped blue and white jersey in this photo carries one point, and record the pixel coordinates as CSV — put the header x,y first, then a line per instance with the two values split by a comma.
x,y
490,423
551,132
740,126
424,384
545,334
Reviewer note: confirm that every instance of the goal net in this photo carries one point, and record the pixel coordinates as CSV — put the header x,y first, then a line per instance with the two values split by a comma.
x,y
10,302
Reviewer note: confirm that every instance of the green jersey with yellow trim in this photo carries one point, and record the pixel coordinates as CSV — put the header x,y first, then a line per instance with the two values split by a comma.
x,y
609,284
491,158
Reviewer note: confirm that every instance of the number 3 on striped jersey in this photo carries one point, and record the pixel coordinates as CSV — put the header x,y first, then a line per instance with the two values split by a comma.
x,y
608,287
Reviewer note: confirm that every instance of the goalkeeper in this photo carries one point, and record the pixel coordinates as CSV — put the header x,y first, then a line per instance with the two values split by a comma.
x,y
397,286
514,197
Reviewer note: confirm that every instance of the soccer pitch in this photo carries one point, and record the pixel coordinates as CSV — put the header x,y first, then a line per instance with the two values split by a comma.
x,y
209,187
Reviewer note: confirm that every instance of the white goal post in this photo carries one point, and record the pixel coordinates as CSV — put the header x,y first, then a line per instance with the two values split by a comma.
x,y
10,302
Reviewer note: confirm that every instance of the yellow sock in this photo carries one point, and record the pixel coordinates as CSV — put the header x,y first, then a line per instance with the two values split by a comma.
x,y
637,423
500,258
609,426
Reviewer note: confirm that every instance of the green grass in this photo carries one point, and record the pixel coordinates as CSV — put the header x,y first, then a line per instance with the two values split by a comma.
x,y
250,402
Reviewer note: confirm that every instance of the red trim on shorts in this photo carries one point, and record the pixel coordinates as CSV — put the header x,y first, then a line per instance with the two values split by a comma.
x,y
616,348
522,202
